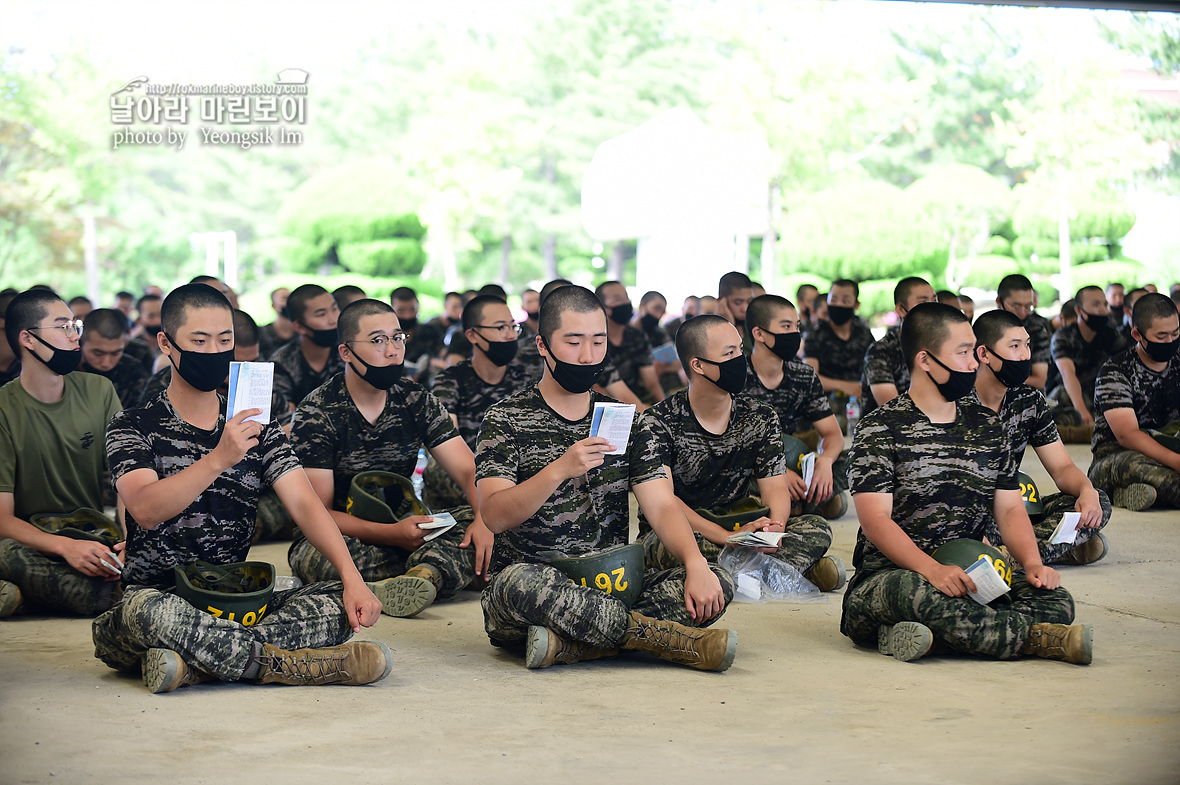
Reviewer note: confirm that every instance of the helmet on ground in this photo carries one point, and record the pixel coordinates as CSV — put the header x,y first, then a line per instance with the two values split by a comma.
x,y
618,571
383,497
794,450
81,524
732,517
965,552
1033,504
237,592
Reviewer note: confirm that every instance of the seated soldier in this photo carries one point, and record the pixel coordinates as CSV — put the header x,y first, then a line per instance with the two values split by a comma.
x,y
1135,398
53,426
272,336
652,308
189,478
836,347
716,443
467,389
104,337
304,364
143,344
372,418
424,342
627,347
1079,350
1016,296
1004,350
552,491
79,306
778,377
886,374
734,292
928,468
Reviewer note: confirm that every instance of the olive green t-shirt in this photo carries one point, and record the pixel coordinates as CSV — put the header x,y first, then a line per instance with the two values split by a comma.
x,y
53,455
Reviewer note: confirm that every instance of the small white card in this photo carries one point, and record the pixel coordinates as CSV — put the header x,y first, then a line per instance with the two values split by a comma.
x,y
250,386
762,539
808,468
442,523
665,353
1067,530
612,421
988,583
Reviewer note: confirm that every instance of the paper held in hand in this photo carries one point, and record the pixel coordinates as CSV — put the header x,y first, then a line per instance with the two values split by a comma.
x,y
250,386
612,421
988,583
807,466
442,523
761,539
1067,530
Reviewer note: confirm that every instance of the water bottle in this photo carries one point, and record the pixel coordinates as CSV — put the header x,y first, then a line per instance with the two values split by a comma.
x,y
419,468
852,413
287,582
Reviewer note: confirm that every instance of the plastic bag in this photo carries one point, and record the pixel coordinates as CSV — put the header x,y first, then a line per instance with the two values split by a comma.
x,y
762,578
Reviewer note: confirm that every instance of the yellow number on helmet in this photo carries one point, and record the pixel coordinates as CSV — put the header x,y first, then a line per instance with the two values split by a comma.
x,y
620,584
602,581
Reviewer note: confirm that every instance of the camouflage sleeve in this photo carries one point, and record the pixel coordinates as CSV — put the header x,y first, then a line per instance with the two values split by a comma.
x,y
812,344
437,424
496,453
771,458
643,355
1009,464
610,375
156,384
661,440
446,389
1112,389
277,456
878,369
1044,429
127,448
313,434
1039,342
1061,347
643,454
872,458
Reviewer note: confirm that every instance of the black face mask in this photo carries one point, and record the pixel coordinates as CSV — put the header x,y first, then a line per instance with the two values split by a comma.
x,y
1012,373
1101,325
63,361
954,388
203,371
649,322
786,345
323,338
621,314
574,378
408,325
733,374
839,314
501,352
381,376
1161,352
533,315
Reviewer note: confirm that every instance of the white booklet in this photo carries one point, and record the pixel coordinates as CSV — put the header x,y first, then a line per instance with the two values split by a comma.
x,y
250,386
762,539
442,523
807,468
612,421
1067,530
665,353
988,582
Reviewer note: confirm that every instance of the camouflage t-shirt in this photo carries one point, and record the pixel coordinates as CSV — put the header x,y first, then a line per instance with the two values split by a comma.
x,y
269,341
464,394
138,350
522,435
712,470
633,353
884,364
294,378
219,525
1026,417
128,376
799,397
839,359
329,432
943,476
1087,357
1040,332
1125,382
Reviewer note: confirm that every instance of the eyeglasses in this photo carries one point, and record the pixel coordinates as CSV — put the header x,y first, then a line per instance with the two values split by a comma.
x,y
505,330
381,341
73,327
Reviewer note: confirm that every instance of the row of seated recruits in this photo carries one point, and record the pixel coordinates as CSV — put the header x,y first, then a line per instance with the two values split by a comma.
x,y
538,488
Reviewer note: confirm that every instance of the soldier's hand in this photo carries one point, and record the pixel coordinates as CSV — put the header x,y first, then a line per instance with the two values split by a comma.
x,y
950,580
237,438
405,534
1090,508
764,524
88,557
583,456
1087,418
1042,577
703,597
479,534
821,483
361,606
796,486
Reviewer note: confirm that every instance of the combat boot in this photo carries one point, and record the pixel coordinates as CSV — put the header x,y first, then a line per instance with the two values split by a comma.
x,y
834,507
164,671
906,640
1076,434
1068,642
409,594
352,664
827,574
1135,497
704,649
545,647
1090,551
10,598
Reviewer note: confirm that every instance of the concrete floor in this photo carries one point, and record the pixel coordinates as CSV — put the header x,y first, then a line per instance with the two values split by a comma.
x,y
801,702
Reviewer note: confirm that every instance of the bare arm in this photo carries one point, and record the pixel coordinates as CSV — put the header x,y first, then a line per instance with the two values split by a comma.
x,y
404,534
1125,425
1070,479
1039,376
647,375
1017,533
883,393
1069,378
84,556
